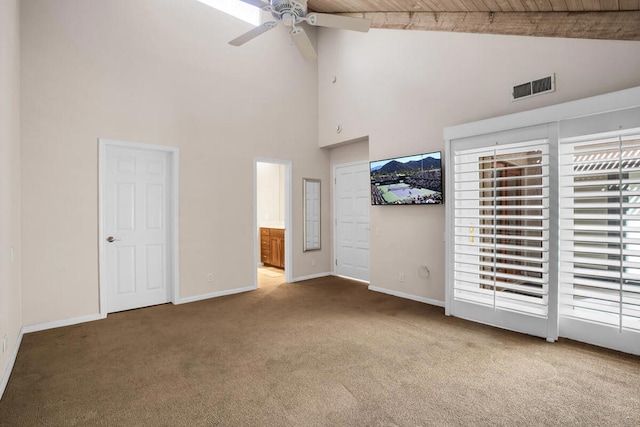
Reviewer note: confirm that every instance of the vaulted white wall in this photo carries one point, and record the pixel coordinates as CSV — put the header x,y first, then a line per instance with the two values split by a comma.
x,y
402,88
160,72
10,289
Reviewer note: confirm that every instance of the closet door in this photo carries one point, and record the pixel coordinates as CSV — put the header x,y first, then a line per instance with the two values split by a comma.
x,y
502,232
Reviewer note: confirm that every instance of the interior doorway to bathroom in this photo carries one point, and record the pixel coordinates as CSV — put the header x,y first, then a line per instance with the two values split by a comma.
x,y
273,191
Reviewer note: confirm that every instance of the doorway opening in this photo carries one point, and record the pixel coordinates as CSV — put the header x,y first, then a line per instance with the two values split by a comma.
x,y
272,222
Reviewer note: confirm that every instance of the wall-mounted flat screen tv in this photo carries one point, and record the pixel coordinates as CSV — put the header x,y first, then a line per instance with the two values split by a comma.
x,y
410,180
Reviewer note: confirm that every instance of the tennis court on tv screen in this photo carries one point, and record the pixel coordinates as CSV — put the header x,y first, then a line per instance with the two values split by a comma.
x,y
409,180
403,194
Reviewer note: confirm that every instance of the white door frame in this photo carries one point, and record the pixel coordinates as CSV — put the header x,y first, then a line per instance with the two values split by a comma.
x,y
335,216
288,216
172,232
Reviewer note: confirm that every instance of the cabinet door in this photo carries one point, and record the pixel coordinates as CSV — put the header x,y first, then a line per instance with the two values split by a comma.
x,y
281,251
276,246
275,251
265,248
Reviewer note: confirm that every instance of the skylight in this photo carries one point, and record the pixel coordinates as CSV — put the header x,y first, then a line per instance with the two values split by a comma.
x,y
236,8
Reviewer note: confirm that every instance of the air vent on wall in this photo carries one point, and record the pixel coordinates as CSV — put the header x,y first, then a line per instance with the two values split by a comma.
x,y
535,87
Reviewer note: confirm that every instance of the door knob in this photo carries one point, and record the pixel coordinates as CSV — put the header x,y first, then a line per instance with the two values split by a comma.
x,y
111,239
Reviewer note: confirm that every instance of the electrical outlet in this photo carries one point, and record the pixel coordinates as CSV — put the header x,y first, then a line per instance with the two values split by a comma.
x,y
313,262
209,277
4,344
401,277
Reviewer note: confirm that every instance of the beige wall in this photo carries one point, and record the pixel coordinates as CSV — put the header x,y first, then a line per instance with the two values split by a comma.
x,y
353,151
401,88
10,287
160,72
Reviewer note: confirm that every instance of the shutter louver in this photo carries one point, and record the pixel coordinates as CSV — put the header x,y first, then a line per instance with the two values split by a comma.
x,y
600,231
501,236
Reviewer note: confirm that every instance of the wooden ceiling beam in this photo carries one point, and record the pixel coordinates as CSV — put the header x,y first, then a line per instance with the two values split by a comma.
x,y
581,25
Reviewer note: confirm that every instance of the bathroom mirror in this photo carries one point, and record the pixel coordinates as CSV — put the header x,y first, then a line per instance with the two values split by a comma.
x,y
311,214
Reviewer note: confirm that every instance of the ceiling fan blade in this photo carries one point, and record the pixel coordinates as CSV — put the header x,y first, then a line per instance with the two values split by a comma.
x,y
337,21
256,3
251,34
303,43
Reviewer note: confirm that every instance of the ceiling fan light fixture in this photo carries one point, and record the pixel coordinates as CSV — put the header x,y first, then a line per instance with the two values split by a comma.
x,y
293,12
288,19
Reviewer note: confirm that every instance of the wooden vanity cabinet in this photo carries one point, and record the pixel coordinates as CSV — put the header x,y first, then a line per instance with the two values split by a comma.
x,y
272,246
265,248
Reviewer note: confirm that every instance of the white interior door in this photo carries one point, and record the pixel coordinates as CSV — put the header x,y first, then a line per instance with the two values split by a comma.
x,y
351,200
136,227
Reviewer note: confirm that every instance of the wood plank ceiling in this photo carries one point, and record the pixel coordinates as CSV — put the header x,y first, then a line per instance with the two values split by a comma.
x,y
587,19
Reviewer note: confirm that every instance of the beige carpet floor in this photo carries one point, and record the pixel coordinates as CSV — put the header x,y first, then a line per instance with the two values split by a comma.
x,y
322,352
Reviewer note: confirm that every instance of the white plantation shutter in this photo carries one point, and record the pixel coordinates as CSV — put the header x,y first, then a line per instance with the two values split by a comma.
x,y
501,227
599,256
552,251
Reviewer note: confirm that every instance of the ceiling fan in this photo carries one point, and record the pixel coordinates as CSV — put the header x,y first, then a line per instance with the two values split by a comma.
x,y
291,13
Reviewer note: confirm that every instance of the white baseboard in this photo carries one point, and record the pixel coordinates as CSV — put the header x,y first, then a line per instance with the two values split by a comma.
x,y
216,294
312,276
60,323
407,296
12,361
